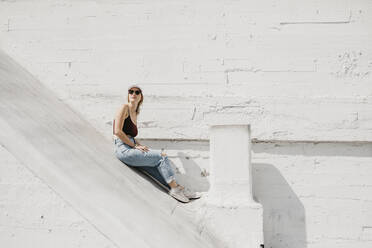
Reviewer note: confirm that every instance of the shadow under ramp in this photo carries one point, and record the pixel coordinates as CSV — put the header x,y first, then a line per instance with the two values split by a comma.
x,y
78,163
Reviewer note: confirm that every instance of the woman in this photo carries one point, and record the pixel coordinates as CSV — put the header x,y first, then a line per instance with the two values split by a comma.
x,y
132,153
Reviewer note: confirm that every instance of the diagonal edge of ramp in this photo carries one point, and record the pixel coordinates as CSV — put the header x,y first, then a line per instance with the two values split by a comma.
x,y
78,163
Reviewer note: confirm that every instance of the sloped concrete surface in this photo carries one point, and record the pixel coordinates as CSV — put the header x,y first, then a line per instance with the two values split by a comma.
x,y
69,155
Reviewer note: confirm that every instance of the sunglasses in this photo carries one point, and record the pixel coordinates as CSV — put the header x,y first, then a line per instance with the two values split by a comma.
x,y
134,91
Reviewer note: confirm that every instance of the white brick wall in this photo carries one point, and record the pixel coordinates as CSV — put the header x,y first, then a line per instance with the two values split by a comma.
x,y
300,70
314,195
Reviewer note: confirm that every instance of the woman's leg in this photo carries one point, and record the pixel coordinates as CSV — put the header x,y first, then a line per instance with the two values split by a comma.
x,y
151,158
155,174
173,183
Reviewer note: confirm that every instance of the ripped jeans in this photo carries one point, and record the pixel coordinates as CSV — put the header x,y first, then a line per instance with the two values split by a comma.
x,y
137,158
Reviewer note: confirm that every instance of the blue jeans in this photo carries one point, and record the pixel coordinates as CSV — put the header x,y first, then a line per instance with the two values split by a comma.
x,y
151,161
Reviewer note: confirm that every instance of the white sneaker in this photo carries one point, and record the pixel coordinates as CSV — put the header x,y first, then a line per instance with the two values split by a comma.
x,y
178,194
190,194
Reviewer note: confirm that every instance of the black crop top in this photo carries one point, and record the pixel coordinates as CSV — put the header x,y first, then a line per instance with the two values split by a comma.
x,y
129,127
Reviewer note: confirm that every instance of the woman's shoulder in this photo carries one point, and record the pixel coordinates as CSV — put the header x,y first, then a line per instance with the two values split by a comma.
x,y
124,110
125,105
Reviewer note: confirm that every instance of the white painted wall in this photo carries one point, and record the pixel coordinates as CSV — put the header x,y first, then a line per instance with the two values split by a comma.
x,y
300,70
313,196
33,215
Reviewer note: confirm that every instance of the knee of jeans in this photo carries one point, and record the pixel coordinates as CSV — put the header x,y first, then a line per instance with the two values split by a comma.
x,y
163,158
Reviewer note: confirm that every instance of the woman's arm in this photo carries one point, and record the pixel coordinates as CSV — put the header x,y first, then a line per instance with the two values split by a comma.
x,y
137,141
119,122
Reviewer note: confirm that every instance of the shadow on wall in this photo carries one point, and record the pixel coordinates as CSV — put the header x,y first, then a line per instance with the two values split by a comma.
x,y
192,178
283,213
191,174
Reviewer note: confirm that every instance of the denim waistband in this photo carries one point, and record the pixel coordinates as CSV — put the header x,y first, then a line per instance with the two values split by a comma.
x,y
116,137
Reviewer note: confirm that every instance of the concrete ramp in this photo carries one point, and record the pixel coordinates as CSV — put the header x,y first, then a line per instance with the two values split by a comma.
x,y
78,163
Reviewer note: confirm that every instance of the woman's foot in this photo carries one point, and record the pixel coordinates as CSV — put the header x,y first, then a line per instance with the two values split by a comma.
x,y
177,193
190,194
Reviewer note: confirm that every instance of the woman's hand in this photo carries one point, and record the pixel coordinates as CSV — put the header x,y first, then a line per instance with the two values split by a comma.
x,y
141,148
